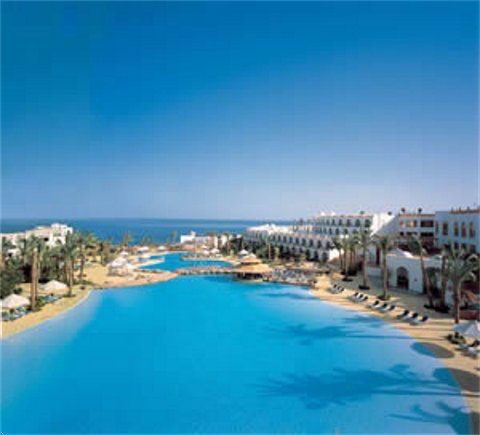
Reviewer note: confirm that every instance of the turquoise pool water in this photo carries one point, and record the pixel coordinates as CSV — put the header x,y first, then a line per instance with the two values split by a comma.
x,y
174,261
209,355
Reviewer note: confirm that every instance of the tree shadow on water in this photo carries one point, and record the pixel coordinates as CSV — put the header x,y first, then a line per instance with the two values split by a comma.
x,y
343,387
458,418
308,336
290,295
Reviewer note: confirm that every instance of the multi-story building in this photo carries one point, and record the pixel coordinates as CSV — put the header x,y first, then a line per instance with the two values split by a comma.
x,y
416,224
314,239
459,228
52,235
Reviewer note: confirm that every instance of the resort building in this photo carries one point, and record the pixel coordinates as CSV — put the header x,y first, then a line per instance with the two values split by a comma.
x,y
314,239
416,224
459,228
52,235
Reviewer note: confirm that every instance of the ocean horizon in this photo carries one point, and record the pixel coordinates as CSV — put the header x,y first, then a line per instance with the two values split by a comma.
x,y
159,230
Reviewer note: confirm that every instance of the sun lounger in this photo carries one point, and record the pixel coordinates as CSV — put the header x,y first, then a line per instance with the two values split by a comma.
x,y
404,315
364,298
473,351
356,295
381,307
413,318
384,308
419,321
374,305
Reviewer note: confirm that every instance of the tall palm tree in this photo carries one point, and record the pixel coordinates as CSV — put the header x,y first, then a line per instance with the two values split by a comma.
x,y
85,241
30,250
416,245
385,243
459,268
126,239
349,244
70,251
364,239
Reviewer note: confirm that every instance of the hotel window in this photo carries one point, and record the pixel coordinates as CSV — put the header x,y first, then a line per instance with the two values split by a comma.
x,y
348,222
333,221
340,222
426,224
330,231
367,223
455,229
337,232
436,227
445,229
319,245
345,231
463,230
472,230
357,223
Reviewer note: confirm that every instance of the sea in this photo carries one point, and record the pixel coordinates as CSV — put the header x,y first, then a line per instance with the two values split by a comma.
x,y
159,230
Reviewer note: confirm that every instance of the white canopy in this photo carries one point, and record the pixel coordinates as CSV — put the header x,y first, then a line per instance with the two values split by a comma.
x,y
123,254
118,262
14,301
143,249
162,248
243,252
470,329
54,285
214,251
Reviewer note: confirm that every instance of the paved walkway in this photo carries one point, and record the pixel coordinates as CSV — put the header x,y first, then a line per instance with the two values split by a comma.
x,y
464,368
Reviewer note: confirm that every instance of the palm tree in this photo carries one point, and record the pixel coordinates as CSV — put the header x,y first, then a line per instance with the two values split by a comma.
x,y
416,245
126,239
85,241
385,244
30,252
70,251
364,239
459,268
349,243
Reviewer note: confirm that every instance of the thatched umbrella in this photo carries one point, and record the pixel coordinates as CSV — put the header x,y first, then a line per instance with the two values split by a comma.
x,y
252,268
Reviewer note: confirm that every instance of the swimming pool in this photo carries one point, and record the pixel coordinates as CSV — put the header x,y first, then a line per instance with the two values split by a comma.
x,y
173,262
211,355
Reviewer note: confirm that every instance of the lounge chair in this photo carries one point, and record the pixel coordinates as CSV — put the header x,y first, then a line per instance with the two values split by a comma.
x,y
385,308
412,319
356,295
380,308
364,298
472,351
419,321
404,315
374,305
390,308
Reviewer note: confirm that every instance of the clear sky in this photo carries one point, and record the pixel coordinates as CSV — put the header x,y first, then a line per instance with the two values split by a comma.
x,y
245,110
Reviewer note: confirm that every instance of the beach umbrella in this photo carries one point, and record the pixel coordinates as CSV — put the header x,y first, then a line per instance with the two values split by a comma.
x,y
54,285
470,329
14,301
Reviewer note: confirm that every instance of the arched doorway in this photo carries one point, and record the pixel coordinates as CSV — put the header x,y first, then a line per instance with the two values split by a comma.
x,y
402,278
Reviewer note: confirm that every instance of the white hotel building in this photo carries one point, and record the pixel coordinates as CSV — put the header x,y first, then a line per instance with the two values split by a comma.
x,y
52,235
314,239
460,228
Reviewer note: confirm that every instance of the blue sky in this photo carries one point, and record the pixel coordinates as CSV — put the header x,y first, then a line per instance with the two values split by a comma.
x,y
245,110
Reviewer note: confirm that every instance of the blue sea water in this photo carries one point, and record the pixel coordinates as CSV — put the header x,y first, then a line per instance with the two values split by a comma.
x,y
211,355
159,229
